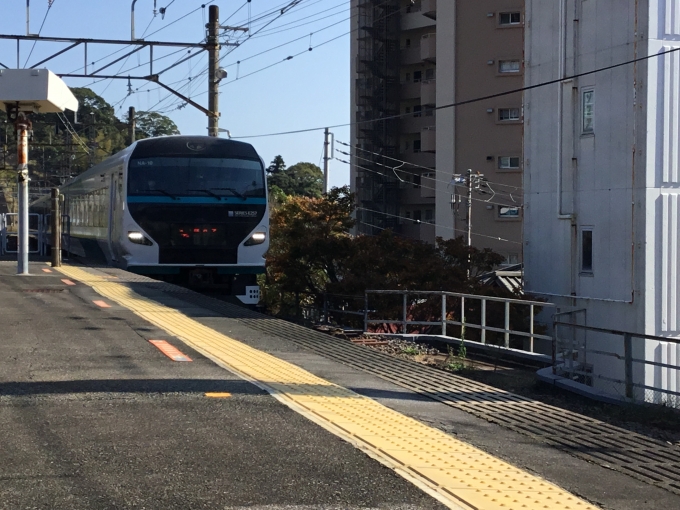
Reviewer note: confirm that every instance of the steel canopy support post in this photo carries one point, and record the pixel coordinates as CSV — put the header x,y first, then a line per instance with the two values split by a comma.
x,y
23,126
213,47
55,226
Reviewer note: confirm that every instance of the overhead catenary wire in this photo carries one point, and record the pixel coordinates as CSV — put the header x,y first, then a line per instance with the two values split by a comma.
x,y
402,162
49,8
279,46
284,10
514,204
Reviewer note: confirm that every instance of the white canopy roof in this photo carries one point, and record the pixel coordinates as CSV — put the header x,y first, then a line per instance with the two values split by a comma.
x,y
36,90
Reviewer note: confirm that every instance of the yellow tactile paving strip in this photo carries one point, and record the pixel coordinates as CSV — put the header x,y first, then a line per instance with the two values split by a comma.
x,y
457,474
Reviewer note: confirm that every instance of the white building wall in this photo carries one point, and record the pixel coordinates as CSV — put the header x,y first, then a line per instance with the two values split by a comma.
x,y
663,195
623,181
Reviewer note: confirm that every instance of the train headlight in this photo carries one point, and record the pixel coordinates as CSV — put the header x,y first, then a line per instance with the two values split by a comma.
x,y
139,238
256,238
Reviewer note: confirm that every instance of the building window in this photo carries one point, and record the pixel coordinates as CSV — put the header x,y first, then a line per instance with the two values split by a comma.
x,y
508,162
508,66
508,212
416,110
429,215
588,110
408,215
429,74
405,146
587,250
416,181
429,111
408,77
509,18
416,215
408,43
407,109
416,145
417,76
508,114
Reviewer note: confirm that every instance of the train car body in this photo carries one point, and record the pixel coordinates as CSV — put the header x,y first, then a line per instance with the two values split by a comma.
x,y
179,208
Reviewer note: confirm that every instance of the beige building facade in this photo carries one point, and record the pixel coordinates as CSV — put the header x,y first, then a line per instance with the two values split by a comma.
x,y
411,61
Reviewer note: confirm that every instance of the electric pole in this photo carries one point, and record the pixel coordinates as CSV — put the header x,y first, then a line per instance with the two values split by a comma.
x,y
325,161
132,124
471,181
213,47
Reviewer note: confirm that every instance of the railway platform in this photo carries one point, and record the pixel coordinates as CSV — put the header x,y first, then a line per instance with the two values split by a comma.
x,y
118,391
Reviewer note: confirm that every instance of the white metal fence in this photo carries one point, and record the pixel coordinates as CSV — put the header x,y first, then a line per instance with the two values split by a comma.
x,y
38,232
505,322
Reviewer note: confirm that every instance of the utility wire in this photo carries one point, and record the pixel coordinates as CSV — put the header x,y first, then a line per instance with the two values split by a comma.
x,y
435,224
475,100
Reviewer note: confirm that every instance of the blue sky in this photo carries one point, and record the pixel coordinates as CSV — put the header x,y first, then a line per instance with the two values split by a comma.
x,y
310,90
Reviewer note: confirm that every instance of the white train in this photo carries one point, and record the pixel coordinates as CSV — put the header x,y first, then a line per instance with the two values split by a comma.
x,y
179,208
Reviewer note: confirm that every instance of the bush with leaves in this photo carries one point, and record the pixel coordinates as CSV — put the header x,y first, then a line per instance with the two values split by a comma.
x,y
313,257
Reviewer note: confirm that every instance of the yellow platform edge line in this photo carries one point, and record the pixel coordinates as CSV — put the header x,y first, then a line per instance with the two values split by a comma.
x,y
315,408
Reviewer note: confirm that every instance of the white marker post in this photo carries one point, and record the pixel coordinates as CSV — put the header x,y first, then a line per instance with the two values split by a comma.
x,y
25,91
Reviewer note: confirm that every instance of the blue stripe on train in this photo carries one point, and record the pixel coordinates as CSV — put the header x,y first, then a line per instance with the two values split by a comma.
x,y
195,200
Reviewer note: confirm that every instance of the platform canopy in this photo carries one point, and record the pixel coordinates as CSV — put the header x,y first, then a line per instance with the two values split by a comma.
x,y
35,90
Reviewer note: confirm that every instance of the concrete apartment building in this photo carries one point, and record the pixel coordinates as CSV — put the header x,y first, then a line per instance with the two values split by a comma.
x,y
602,179
408,59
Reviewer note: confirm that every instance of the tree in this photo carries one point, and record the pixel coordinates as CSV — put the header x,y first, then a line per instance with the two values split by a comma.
x,y
301,179
277,165
310,237
150,124
56,153
313,256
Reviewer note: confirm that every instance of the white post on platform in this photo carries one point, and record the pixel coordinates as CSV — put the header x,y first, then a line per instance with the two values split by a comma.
x,y
23,126
24,91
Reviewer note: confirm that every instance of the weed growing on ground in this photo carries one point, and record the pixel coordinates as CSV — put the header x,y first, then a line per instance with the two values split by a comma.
x,y
456,362
410,350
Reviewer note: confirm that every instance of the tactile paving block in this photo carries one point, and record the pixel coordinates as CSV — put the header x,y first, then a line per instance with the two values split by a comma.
x,y
459,475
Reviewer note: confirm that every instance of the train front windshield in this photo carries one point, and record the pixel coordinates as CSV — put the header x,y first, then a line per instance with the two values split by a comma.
x,y
200,177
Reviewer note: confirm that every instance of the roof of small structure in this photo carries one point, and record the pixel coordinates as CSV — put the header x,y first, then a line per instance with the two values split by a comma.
x,y
509,277
35,90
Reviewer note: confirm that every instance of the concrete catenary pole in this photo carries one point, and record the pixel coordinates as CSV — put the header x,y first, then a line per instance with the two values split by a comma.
x,y
56,228
326,159
132,125
23,126
213,61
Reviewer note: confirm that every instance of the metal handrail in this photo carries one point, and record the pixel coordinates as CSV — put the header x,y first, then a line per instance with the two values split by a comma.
x,y
571,366
620,332
444,321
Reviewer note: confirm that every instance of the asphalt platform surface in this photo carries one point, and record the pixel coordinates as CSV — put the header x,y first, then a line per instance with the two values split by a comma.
x,y
92,416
